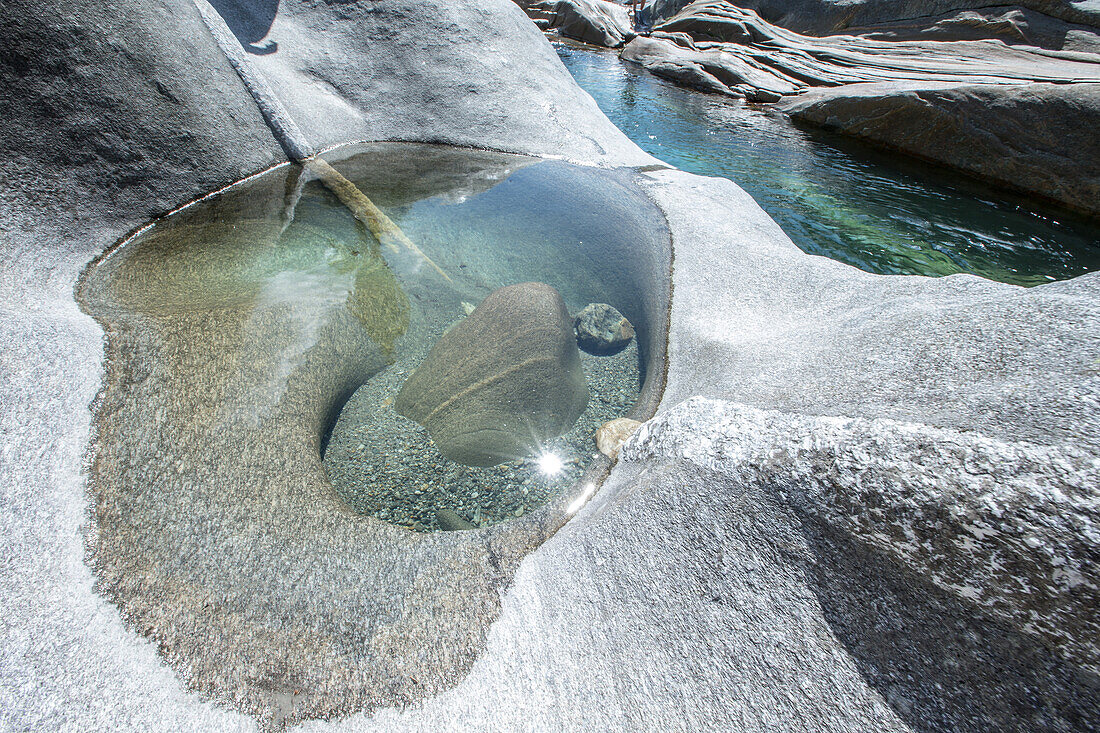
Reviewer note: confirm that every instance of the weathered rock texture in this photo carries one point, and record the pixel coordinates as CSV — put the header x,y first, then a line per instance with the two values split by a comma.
x,y
1010,526
740,54
1038,138
601,329
1012,24
682,597
1048,23
599,22
502,382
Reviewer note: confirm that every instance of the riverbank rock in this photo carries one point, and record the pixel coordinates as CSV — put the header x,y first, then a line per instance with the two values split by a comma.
x,y
611,435
1019,116
1053,24
598,22
1039,138
502,381
1011,24
742,50
602,330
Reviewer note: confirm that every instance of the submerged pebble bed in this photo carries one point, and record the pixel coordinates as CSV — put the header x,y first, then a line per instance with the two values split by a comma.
x,y
386,465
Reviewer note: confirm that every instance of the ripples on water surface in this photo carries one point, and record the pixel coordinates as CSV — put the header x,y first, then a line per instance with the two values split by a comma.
x,y
834,197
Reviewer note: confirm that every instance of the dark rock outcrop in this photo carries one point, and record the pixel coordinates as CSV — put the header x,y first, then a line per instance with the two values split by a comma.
x,y
501,382
599,22
825,17
1038,138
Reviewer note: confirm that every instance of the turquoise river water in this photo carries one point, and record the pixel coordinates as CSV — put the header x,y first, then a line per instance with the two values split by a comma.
x,y
834,197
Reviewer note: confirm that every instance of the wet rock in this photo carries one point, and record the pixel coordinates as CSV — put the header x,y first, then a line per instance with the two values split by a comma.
x,y
502,381
611,435
1017,116
1051,18
593,21
602,330
1011,24
598,22
977,129
748,56
451,521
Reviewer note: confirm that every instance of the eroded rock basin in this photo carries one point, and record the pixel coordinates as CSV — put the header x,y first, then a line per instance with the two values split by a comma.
x,y
239,331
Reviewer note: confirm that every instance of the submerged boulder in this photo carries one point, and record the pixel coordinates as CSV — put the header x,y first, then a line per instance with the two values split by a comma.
x,y
501,382
602,330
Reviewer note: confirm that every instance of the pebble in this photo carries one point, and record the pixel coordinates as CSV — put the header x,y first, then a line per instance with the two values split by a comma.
x,y
612,434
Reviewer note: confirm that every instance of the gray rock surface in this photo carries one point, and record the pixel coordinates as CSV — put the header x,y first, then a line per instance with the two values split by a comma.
x,y
1011,527
599,22
744,53
823,17
601,329
503,381
115,114
682,596
732,589
1009,23
1036,138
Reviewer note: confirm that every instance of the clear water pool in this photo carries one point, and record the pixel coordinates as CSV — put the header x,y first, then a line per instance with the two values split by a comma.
x,y
834,197
246,440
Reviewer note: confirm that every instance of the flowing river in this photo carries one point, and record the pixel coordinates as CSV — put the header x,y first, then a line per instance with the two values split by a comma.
x,y
835,197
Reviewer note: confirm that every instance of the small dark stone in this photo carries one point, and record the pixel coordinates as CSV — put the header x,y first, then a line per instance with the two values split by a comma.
x,y
451,521
602,330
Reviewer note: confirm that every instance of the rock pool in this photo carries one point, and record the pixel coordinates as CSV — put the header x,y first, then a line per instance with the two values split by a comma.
x,y
247,443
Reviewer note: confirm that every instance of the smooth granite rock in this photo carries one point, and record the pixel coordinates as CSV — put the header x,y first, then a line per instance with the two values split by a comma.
x,y
1009,23
504,381
612,434
118,113
824,17
1039,138
715,581
599,22
744,54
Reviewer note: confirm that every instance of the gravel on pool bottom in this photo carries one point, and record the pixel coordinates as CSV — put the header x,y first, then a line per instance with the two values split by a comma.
x,y
386,465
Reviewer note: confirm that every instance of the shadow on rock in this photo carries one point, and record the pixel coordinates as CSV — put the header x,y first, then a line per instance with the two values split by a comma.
x,y
937,664
250,21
